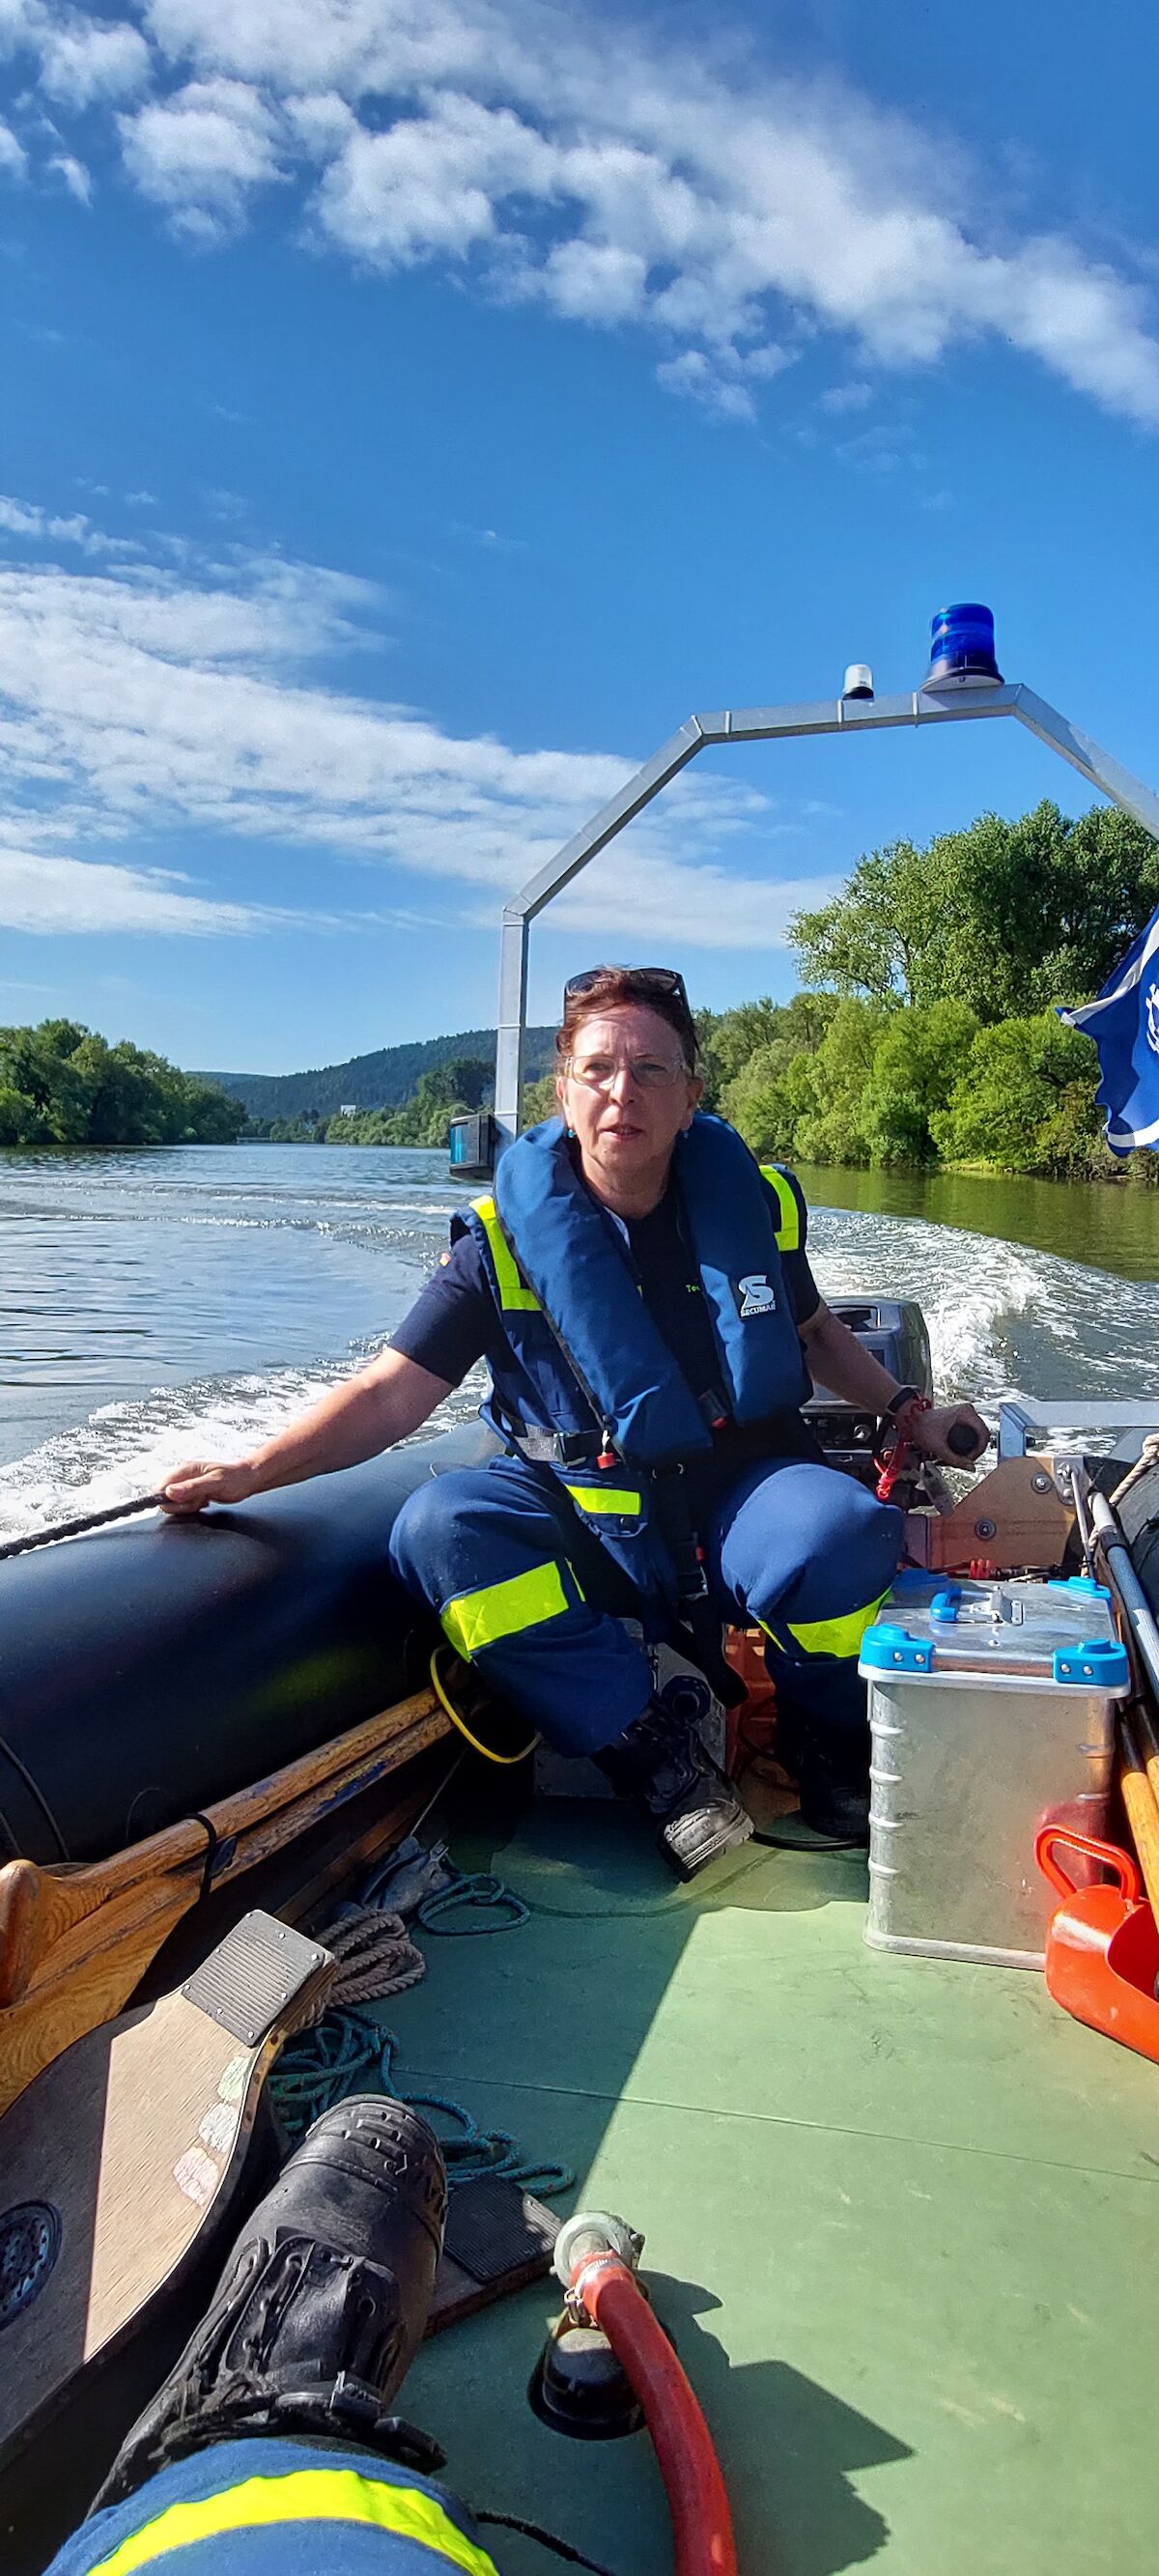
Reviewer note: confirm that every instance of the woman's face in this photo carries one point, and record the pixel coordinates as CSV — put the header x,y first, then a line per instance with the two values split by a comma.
x,y
626,1091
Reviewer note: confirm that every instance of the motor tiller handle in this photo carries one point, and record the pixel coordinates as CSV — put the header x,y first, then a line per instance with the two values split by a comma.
x,y
964,1442
1108,1856
605,2287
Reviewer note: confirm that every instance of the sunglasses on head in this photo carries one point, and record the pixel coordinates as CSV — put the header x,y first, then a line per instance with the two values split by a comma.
x,y
662,979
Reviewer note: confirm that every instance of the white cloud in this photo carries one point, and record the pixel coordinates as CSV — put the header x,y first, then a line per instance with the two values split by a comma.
x,y
149,698
722,381
856,396
616,178
884,450
75,176
13,158
202,152
431,184
706,907
27,519
59,896
83,60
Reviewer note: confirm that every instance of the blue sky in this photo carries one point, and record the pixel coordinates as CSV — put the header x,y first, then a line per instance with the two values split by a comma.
x,y
414,411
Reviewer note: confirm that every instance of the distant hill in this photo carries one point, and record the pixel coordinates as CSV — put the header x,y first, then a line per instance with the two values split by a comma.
x,y
378,1081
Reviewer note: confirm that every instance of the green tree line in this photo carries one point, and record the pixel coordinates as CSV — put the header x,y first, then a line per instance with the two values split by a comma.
x,y
926,1032
444,1092
60,1084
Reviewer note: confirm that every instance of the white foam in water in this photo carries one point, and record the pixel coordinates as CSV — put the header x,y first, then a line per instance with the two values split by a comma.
x,y
126,1450
999,1316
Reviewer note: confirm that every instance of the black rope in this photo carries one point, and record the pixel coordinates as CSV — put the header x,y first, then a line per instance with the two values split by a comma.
x,y
8,1829
76,1529
39,1799
823,1846
212,1848
546,2539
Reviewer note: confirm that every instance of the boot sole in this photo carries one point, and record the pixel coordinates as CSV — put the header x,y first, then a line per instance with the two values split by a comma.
x,y
728,1839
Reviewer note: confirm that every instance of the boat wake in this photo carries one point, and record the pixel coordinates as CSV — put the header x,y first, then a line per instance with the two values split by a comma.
x,y
999,1316
125,1450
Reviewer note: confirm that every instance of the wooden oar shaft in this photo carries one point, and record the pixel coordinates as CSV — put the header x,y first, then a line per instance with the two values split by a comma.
x,y
1147,1738
1139,1802
40,1907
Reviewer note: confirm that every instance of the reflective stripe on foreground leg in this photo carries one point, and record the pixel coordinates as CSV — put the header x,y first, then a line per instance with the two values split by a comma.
x,y
279,2508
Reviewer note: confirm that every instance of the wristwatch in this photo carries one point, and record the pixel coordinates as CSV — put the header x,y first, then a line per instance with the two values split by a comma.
x,y
901,1399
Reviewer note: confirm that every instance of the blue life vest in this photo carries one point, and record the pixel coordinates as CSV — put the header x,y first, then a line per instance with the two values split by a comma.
x,y
585,1380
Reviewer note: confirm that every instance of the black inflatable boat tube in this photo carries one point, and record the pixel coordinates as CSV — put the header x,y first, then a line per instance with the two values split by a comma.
x,y
160,1664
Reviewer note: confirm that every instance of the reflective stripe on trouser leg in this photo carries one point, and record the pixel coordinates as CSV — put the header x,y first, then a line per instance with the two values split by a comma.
x,y
808,1553
508,1609
489,1550
267,2507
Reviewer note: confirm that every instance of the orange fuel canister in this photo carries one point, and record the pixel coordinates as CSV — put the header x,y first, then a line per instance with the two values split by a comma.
x,y
1102,1946
752,1725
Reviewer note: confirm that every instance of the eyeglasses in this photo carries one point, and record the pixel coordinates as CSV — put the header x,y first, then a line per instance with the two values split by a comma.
x,y
647,1072
663,979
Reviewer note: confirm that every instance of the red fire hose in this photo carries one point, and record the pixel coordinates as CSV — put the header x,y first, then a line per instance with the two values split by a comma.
x,y
603,2284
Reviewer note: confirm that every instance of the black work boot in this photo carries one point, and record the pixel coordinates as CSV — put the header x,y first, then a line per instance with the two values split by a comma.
x,y
833,1780
322,2305
661,1762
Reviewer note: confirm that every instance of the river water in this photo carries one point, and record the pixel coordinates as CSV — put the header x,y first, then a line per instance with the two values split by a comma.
x,y
176,1303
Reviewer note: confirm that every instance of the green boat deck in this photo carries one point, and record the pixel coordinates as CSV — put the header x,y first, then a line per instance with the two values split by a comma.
x,y
900,2217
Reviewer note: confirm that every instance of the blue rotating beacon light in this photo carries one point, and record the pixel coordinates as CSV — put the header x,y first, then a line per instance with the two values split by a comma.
x,y
962,649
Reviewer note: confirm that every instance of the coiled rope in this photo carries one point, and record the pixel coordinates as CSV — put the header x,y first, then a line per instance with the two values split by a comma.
x,y
376,1956
349,2053
481,1890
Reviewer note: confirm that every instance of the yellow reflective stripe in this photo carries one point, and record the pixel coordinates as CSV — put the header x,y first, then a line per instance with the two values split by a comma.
x,y
513,1291
789,1228
481,1618
836,1636
605,1498
307,2495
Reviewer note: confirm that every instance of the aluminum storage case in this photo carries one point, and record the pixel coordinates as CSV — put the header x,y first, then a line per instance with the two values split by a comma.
x,y
992,1709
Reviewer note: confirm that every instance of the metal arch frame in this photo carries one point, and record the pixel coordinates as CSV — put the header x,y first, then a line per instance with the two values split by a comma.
x,y
768,724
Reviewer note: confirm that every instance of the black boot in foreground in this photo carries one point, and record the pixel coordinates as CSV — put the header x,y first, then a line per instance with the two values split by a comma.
x,y
661,1762
322,2305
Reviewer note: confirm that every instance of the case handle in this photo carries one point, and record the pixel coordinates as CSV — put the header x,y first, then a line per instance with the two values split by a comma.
x,y
1108,1855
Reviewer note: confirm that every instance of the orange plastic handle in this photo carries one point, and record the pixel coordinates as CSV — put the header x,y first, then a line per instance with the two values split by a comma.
x,y
1108,1855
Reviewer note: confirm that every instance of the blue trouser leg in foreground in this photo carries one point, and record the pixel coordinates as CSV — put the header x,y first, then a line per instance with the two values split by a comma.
x,y
272,2507
792,1544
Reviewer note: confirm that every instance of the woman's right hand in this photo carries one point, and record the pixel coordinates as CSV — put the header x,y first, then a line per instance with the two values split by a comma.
x,y
200,1481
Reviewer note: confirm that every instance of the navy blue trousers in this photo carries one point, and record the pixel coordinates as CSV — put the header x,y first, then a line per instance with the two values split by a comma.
x,y
271,2507
524,1589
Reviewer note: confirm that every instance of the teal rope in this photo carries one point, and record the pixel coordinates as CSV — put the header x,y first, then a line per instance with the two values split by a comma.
x,y
349,2053
482,1889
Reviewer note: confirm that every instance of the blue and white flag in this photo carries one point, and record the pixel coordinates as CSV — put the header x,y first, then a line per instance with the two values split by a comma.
x,y
1124,1023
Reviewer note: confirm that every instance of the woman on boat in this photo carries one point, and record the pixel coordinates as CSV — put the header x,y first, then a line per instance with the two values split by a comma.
x,y
640,1289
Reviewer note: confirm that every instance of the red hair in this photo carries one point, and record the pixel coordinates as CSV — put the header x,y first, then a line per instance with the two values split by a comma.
x,y
609,989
